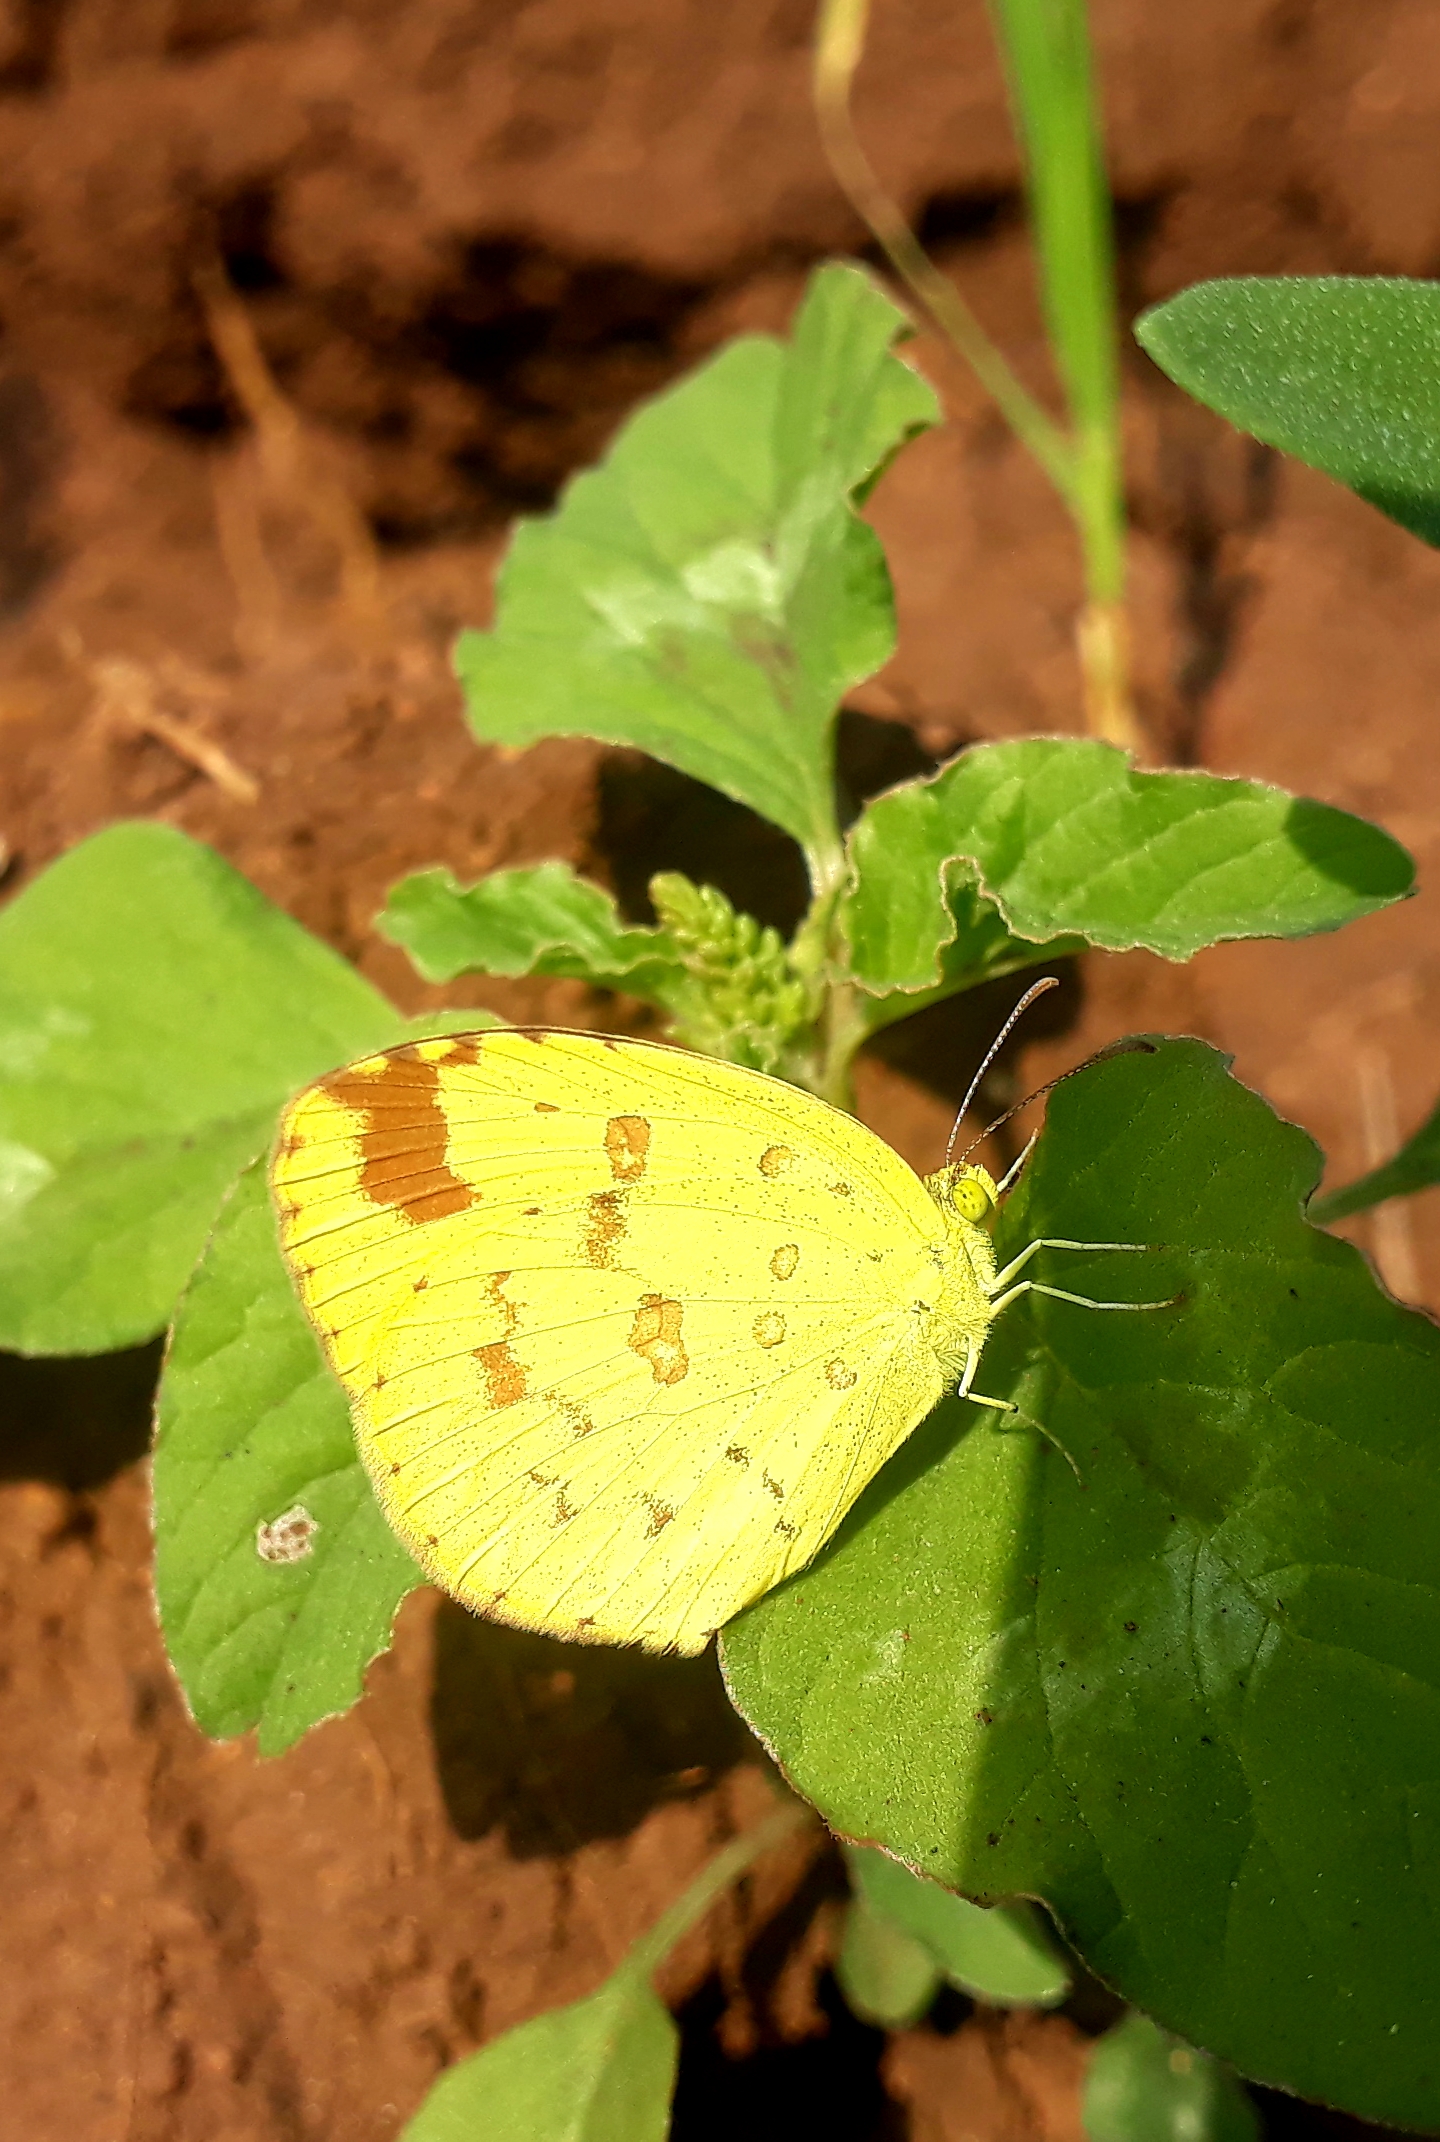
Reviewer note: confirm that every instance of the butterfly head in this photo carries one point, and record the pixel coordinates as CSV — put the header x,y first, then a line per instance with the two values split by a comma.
x,y
968,1191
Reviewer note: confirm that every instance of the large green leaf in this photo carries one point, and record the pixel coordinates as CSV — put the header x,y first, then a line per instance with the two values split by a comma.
x,y
155,1010
600,2070
1059,839
1193,1703
253,1428
708,593
1415,1167
1343,371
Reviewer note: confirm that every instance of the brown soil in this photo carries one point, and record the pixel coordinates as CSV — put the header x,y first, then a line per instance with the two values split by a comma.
x,y
469,234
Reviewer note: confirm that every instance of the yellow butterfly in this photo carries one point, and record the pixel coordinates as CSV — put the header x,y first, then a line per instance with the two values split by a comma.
x,y
624,1330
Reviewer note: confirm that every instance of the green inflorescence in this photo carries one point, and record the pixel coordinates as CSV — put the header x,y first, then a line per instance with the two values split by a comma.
x,y
746,1002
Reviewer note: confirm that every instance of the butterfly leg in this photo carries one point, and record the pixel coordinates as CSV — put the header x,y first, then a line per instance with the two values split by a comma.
x,y
1017,1264
963,1390
1058,1294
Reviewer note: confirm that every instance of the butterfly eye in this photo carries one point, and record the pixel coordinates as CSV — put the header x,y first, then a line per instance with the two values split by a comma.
x,y
970,1198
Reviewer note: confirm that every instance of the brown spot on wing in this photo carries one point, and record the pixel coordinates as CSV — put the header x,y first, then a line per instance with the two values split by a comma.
x,y
504,1375
782,1524
769,1328
775,1160
842,1190
563,1511
575,1415
547,1108
661,1514
463,1049
627,1143
604,1227
773,1487
738,1455
838,1376
655,1337
405,1136
785,1259
509,1314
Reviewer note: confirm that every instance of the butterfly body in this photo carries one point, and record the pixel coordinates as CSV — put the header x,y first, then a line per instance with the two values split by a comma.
x,y
624,1330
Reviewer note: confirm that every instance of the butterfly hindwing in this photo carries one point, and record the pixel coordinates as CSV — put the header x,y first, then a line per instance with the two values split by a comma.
x,y
624,1330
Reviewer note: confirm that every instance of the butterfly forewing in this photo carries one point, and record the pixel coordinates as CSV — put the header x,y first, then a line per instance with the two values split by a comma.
x,y
624,1330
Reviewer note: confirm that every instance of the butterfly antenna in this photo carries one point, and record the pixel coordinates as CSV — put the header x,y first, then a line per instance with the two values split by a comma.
x,y
1133,1045
1036,989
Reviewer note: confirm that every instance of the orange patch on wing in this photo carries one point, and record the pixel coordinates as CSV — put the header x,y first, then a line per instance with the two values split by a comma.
x,y
405,1136
547,1108
775,1160
504,1375
769,1328
655,1337
509,1314
604,1227
627,1142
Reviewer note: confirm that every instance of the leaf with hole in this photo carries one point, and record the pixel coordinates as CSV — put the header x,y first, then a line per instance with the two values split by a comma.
x,y
277,1577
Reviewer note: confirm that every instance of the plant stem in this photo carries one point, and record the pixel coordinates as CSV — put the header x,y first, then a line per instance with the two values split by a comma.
x,y
1046,49
1047,55
839,41
651,1949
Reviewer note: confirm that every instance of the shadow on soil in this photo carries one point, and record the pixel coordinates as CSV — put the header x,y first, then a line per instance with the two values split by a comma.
x,y
560,1743
76,1422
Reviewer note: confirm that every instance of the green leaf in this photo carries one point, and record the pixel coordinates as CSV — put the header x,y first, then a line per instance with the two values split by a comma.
x,y
544,920
1415,1167
1343,371
888,1978
1193,1704
708,593
1144,2086
1002,1955
155,1011
1049,841
601,2070
251,1428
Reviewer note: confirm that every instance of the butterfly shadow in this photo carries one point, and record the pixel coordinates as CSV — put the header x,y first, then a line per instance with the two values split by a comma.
x,y
76,1421
560,1744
